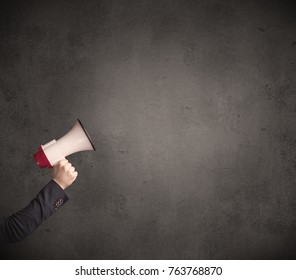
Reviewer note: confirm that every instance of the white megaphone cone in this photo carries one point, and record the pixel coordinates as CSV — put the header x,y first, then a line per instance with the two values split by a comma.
x,y
76,140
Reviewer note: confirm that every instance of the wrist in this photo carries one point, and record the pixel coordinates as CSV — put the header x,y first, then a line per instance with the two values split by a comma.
x,y
61,184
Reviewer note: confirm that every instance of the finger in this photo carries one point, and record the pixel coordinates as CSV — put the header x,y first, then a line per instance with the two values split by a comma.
x,y
63,162
72,169
67,166
75,174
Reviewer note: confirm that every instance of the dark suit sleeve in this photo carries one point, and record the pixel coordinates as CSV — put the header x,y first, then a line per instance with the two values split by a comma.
x,y
21,224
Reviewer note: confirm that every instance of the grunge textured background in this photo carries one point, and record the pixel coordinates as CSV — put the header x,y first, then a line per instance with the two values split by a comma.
x,y
191,106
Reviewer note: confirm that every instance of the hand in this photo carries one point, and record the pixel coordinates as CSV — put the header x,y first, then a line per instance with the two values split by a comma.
x,y
64,173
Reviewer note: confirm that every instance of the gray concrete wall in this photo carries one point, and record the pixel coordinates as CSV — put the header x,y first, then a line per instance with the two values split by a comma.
x,y
191,105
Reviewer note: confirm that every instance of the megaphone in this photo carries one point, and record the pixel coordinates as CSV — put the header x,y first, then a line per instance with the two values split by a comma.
x,y
76,140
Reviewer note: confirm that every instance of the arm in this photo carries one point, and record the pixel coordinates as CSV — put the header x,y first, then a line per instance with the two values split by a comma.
x,y
21,224
24,222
